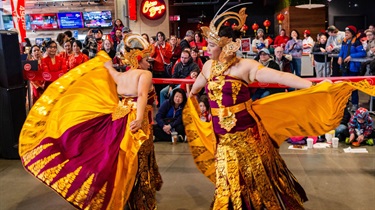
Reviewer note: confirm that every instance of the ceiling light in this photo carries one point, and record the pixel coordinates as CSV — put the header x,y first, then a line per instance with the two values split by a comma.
x,y
310,6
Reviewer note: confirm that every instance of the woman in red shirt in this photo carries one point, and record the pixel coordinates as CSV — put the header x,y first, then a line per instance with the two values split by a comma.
x,y
37,86
67,50
281,39
77,57
52,63
199,41
162,55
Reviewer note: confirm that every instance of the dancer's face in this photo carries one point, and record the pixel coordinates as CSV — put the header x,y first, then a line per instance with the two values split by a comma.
x,y
213,50
144,64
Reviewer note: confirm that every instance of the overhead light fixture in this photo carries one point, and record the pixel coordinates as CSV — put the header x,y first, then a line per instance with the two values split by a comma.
x,y
310,6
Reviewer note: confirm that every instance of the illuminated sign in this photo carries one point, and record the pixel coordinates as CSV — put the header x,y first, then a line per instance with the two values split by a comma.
x,y
153,9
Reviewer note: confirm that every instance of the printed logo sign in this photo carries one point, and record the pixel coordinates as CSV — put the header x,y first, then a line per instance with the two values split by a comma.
x,y
27,67
153,9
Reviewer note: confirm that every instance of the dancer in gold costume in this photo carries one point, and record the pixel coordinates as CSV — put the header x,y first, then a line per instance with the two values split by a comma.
x,y
92,149
238,150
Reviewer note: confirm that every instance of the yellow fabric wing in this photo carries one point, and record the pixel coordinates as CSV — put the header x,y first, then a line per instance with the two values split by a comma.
x,y
308,112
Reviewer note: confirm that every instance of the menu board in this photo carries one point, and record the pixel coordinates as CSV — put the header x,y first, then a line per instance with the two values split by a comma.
x,y
97,19
70,20
43,21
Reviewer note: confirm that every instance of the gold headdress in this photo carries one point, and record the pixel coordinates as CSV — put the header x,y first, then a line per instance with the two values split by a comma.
x,y
228,46
138,49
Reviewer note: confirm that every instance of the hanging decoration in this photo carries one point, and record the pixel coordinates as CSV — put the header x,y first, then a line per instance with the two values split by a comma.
x,y
255,27
280,17
234,25
244,29
267,24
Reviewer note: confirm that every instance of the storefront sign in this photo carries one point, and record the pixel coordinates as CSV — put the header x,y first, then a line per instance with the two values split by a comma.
x,y
153,9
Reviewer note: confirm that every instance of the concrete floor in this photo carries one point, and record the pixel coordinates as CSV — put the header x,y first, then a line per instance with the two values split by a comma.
x,y
332,180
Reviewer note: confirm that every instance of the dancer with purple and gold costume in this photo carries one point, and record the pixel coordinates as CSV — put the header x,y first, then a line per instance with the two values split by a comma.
x,y
92,149
238,150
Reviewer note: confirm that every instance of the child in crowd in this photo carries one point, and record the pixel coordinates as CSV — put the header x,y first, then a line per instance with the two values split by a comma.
x,y
204,106
360,128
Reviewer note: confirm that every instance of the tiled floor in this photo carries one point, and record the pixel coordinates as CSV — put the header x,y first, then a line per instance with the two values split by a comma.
x,y
333,180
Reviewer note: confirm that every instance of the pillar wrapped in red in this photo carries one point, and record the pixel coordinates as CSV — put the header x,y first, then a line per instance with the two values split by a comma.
x,y
19,21
132,4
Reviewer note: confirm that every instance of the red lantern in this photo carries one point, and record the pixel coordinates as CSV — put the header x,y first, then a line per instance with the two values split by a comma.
x,y
234,26
267,24
255,28
244,29
280,17
226,23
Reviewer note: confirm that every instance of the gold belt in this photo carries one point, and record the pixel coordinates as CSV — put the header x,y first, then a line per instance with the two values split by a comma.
x,y
231,109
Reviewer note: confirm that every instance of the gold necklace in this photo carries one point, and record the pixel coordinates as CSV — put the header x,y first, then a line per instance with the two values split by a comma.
x,y
219,68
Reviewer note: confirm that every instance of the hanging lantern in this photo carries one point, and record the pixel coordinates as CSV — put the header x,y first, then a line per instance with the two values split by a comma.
x,y
280,17
255,27
244,29
226,23
234,25
267,24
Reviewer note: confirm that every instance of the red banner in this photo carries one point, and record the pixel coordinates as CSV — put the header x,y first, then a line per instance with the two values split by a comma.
x,y
19,21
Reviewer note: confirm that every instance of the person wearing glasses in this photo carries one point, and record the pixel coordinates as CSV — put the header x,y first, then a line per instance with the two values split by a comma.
x,y
53,63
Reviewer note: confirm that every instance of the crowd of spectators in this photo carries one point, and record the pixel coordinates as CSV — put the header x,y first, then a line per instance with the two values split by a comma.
x,y
186,56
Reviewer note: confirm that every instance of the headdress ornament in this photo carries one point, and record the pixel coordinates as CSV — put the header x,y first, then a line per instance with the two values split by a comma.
x,y
138,48
212,32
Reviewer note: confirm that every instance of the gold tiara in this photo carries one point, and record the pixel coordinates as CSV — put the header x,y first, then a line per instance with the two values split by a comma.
x,y
212,32
139,48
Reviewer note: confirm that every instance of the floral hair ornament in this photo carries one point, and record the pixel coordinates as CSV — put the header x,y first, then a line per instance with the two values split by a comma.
x,y
136,48
229,47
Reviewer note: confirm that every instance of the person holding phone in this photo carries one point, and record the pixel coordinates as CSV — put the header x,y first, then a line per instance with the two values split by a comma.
x,y
93,41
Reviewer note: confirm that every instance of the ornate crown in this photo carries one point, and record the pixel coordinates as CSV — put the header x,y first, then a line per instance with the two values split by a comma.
x,y
139,48
212,32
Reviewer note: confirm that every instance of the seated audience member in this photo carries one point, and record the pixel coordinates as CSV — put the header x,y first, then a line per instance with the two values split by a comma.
x,y
187,87
342,130
322,68
360,128
198,42
370,51
169,117
281,60
265,59
195,55
185,43
205,111
181,71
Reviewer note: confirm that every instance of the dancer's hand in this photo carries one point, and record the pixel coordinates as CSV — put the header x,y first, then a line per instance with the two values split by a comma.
x,y
135,125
